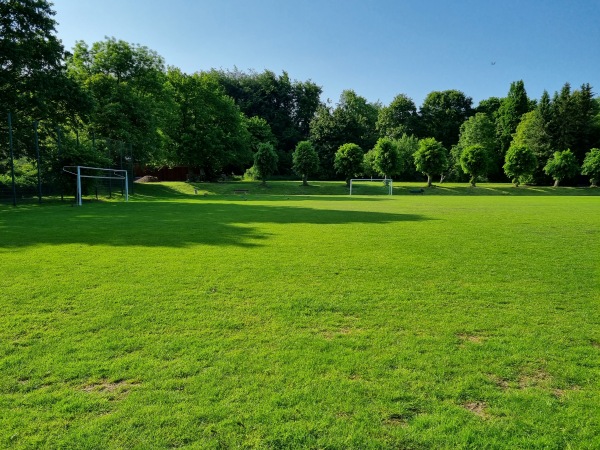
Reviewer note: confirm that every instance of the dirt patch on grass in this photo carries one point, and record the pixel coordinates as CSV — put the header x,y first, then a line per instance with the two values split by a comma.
x,y
499,381
116,388
345,331
477,408
539,378
471,338
397,420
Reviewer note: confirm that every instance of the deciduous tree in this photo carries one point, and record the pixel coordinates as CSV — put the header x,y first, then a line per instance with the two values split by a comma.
x,y
398,118
349,161
33,80
386,159
561,166
126,82
209,133
591,166
305,160
520,163
352,120
442,114
265,161
431,158
475,161
477,130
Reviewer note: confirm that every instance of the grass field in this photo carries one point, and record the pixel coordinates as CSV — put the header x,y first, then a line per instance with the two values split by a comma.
x,y
465,319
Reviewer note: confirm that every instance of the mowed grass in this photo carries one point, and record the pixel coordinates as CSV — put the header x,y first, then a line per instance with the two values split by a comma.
x,y
191,321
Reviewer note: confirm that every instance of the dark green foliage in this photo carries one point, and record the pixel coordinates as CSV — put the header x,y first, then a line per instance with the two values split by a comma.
x,y
398,118
442,114
475,161
287,105
265,161
431,158
572,118
563,165
208,134
127,84
489,106
33,81
407,146
352,120
509,114
532,133
520,163
305,160
477,130
386,158
591,166
349,161
260,132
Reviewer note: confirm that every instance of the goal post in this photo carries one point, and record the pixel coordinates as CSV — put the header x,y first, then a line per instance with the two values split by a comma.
x,y
100,173
387,182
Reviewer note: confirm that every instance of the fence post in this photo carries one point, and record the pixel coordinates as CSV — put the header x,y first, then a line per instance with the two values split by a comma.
x,y
60,175
132,167
37,153
12,159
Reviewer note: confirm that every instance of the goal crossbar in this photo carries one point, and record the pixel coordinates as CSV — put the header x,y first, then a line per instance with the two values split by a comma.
x,y
117,174
388,182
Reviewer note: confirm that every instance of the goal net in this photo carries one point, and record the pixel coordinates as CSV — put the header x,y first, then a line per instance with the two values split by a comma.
x,y
96,182
371,186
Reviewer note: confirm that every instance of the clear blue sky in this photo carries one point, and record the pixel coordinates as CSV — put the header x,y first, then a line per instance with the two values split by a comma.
x,y
377,48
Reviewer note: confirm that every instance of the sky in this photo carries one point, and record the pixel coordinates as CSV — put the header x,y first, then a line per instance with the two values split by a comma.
x,y
378,48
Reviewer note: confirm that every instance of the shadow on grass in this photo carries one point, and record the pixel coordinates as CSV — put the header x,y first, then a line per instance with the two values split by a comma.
x,y
168,224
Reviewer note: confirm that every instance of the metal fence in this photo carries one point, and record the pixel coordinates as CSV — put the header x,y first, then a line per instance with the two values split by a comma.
x,y
33,154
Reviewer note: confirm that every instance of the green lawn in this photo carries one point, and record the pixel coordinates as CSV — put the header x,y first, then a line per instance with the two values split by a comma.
x,y
272,320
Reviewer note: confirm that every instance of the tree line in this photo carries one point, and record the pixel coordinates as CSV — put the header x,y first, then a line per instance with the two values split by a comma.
x,y
263,123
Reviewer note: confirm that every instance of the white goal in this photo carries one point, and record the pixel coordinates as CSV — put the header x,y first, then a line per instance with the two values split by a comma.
x,y
99,173
388,184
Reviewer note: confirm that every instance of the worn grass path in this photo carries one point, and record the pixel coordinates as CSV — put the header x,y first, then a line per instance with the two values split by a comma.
x,y
301,322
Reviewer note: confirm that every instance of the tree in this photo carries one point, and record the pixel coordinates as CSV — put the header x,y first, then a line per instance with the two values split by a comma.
x,y
260,132
265,161
369,164
442,114
475,161
386,159
127,85
209,134
349,161
397,119
305,160
489,106
520,163
352,120
509,114
591,166
33,80
407,146
477,130
532,133
287,105
561,166
431,158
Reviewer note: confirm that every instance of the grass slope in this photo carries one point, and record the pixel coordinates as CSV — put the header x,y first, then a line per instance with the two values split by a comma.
x,y
184,321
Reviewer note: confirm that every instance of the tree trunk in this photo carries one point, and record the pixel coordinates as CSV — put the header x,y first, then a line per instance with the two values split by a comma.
x,y
473,181
556,183
305,179
428,180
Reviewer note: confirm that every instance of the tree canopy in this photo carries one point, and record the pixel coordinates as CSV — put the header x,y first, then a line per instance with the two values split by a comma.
x,y
431,158
215,121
